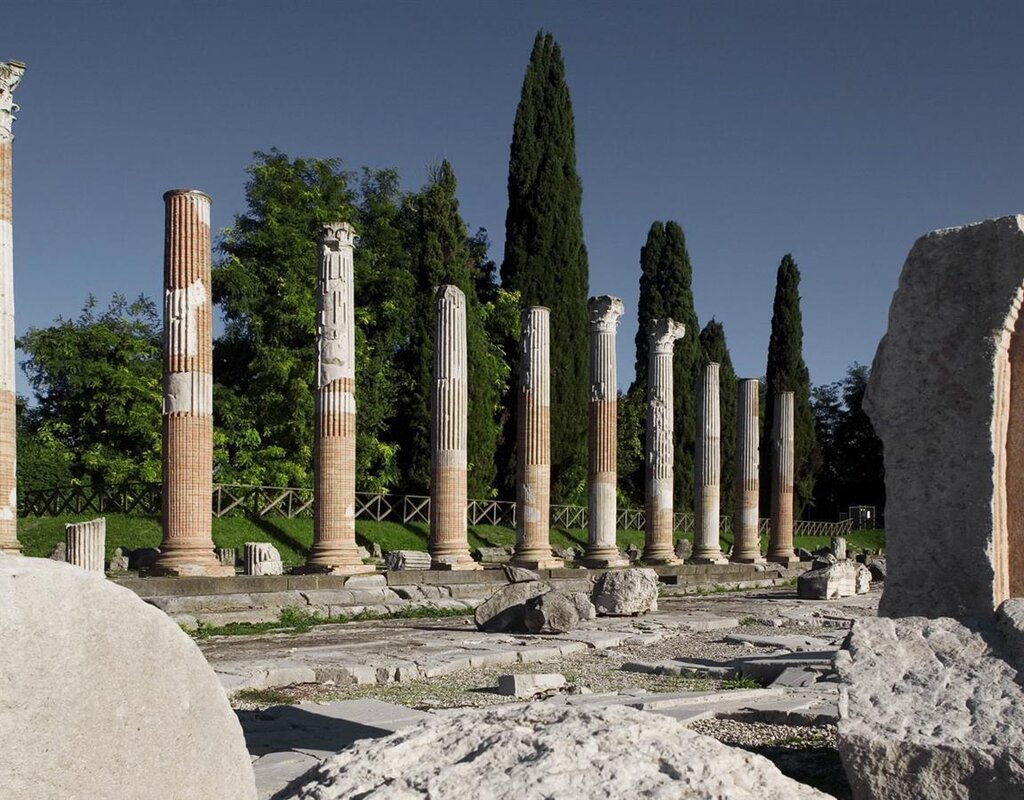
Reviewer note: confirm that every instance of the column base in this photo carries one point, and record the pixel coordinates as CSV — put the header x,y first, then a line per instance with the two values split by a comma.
x,y
11,549
334,569
604,558
745,559
708,558
455,561
791,558
216,570
540,562
661,560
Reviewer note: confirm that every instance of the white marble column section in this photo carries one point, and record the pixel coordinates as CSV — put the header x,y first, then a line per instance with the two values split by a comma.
x,y
334,439
708,470
10,76
746,548
449,408
660,441
602,549
780,543
85,543
533,463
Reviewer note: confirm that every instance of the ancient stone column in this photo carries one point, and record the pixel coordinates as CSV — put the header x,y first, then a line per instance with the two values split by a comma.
x,y
334,445
533,480
10,77
187,547
746,548
85,542
602,550
708,470
449,404
780,543
660,441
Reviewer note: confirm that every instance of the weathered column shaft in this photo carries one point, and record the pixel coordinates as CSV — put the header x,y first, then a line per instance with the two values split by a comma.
x,y
746,518
85,543
780,545
334,444
602,550
10,77
533,484
660,448
187,546
708,469
449,407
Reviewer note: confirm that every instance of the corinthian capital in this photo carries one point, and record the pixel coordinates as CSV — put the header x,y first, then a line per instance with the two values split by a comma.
x,y
338,235
663,334
605,311
10,77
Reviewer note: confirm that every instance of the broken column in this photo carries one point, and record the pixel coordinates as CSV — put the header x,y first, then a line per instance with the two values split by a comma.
x,y
187,547
708,470
449,405
85,543
10,77
780,543
660,441
334,445
746,546
602,550
533,484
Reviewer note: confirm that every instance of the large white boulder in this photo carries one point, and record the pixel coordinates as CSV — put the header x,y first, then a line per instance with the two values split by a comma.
x,y
102,695
828,583
541,750
626,592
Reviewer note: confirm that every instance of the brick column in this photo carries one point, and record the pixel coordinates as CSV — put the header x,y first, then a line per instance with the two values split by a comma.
x,y
602,550
187,547
334,444
449,404
746,548
660,445
708,470
533,464
10,77
780,543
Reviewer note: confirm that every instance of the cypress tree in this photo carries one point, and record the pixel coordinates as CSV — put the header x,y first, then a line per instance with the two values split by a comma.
x,y
545,258
787,373
713,349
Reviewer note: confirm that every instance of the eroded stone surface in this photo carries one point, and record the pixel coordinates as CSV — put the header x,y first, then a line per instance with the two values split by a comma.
x,y
626,592
504,610
551,612
826,583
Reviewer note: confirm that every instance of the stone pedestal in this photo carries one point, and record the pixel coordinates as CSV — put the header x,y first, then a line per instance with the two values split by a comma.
x,y
602,550
533,483
10,76
449,403
85,543
708,470
334,446
780,543
187,547
660,442
746,548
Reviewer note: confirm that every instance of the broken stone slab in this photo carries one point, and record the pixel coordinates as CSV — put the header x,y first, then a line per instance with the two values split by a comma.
x,y
551,612
626,592
838,548
407,559
797,677
828,583
529,685
506,608
680,668
584,607
491,555
262,558
793,642
520,575
766,669
862,579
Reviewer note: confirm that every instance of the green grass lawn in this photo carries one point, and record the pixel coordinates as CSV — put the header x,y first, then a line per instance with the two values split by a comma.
x,y
293,537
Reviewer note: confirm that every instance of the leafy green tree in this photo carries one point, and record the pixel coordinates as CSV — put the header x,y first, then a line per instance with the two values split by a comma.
x,y
632,417
545,257
714,349
787,373
97,386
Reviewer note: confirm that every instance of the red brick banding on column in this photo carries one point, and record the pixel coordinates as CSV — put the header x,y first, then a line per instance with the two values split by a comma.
x,y
708,469
780,543
746,548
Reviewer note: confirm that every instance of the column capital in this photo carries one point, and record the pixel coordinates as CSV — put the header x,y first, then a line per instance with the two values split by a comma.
x,y
663,334
337,235
450,293
605,311
10,77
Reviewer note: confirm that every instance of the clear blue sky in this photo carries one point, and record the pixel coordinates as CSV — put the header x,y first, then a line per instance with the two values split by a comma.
x,y
837,132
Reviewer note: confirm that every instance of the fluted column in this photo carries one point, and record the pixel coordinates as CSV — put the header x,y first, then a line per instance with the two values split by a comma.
x,y
334,444
660,441
449,404
602,550
780,544
187,547
746,547
85,543
533,466
10,77
708,469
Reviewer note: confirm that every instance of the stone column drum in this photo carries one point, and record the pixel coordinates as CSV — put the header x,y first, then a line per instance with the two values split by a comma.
x,y
334,444
708,469
85,543
602,550
746,548
533,483
660,442
187,547
449,407
780,543
10,77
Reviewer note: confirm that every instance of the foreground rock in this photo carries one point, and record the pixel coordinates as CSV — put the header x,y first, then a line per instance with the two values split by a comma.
x,y
90,708
506,608
626,592
551,612
929,711
559,752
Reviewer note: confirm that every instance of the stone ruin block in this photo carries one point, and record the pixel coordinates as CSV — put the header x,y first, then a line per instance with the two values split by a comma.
x,y
262,558
828,583
85,543
407,559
